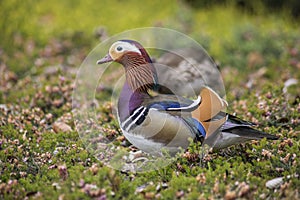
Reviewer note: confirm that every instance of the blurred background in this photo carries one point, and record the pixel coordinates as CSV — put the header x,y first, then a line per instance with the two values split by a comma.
x,y
221,27
260,38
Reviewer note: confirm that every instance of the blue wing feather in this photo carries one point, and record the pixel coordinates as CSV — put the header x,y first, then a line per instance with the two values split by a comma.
x,y
199,127
175,105
165,105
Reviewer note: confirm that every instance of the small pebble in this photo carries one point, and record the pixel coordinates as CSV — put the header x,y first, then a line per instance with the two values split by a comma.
x,y
274,183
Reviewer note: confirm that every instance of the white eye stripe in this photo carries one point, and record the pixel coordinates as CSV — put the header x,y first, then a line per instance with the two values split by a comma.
x,y
121,46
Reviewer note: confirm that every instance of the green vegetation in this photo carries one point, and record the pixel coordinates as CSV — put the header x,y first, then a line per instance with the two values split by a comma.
x,y
41,155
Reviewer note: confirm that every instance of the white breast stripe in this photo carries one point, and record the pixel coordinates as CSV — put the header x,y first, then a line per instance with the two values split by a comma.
x,y
194,104
136,119
129,118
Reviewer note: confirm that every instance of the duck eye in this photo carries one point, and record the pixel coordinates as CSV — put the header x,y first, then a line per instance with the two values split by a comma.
x,y
119,48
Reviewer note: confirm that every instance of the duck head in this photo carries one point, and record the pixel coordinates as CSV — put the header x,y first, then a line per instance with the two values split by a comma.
x,y
140,72
120,50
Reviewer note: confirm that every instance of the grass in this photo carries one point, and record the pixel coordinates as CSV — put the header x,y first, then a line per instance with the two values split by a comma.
x,y
38,67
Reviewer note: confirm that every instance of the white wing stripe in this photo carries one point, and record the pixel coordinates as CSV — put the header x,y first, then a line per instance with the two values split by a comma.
x,y
194,104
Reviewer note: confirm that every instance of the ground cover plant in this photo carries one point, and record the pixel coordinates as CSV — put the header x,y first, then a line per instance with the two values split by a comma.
x,y
41,154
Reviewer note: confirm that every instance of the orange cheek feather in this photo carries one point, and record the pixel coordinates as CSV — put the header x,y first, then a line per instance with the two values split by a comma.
x,y
116,56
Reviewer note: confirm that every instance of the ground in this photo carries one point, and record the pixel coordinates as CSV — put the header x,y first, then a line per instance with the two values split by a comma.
x,y
42,156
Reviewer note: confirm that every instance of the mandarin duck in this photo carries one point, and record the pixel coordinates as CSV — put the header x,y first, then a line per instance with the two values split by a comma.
x,y
155,122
